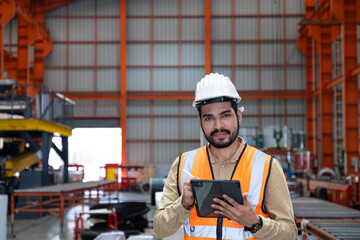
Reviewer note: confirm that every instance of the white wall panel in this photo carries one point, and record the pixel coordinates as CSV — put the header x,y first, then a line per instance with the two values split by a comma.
x,y
108,7
59,11
138,79
138,107
246,78
81,79
108,54
220,28
295,77
56,79
161,107
108,79
297,123
227,71
249,121
245,7
166,29
165,152
271,7
192,29
138,128
219,7
192,7
271,28
84,108
10,33
138,153
107,107
138,54
108,29
165,54
272,53
293,54
165,79
164,128
246,28
221,53
246,53
190,128
272,106
292,27
192,54
295,6
57,57
271,121
138,29
296,106
187,146
190,77
186,107
165,7
272,78
138,7
81,29
82,8
81,54
250,105
57,28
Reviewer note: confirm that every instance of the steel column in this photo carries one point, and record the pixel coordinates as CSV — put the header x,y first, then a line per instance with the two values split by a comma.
x,y
207,20
350,87
326,97
123,92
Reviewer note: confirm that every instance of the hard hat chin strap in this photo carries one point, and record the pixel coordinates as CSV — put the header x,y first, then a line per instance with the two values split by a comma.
x,y
215,100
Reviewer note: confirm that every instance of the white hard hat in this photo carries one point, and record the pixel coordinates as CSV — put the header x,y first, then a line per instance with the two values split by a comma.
x,y
215,86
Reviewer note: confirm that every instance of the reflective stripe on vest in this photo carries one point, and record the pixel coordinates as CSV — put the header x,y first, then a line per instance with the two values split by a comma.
x,y
206,227
210,232
256,178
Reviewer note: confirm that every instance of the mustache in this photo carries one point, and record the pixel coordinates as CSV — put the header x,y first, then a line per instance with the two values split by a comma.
x,y
221,130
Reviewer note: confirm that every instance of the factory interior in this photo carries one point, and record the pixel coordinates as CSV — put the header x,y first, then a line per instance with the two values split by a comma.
x,y
96,104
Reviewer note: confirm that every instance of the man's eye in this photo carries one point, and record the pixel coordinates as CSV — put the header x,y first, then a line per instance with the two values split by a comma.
x,y
226,115
207,118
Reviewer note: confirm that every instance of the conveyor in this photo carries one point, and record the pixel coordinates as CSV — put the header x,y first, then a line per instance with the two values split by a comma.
x,y
326,220
314,208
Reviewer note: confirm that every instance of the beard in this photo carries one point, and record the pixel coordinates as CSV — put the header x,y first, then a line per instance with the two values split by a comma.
x,y
221,143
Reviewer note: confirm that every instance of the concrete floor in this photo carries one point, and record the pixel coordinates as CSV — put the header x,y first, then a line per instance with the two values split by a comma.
x,y
48,227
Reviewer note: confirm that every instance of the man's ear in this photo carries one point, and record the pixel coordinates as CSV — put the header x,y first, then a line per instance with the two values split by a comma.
x,y
199,119
239,113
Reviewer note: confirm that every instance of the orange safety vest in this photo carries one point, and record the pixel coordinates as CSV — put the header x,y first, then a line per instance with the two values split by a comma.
x,y
252,170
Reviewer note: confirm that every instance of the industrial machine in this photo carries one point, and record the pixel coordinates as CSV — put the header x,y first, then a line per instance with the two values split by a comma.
x,y
27,125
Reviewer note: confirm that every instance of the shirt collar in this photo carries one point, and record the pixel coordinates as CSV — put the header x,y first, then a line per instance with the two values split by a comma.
x,y
234,158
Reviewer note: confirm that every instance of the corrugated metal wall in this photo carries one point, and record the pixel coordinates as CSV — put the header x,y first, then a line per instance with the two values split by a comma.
x,y
253,42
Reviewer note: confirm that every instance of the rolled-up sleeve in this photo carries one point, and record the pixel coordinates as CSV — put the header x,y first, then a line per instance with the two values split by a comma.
x,y
171,214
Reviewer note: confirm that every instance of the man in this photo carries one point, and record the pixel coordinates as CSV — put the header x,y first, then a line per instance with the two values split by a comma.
x,y
267,211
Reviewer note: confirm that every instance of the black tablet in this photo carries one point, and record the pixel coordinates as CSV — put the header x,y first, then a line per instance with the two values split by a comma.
x,y
205,190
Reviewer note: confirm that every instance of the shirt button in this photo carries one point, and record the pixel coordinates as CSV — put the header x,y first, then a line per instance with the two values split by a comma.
x,y
222,166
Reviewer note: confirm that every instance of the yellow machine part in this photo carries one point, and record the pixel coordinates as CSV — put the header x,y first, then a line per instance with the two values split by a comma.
x,y
20,163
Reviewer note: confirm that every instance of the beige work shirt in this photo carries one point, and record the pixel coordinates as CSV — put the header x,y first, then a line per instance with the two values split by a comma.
x,y
171,214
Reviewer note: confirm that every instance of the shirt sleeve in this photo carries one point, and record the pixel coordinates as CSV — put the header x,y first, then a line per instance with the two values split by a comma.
x,y
171,214
281,223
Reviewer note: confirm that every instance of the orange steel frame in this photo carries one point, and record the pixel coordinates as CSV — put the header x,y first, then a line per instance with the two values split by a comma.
x,y
31,31
319,29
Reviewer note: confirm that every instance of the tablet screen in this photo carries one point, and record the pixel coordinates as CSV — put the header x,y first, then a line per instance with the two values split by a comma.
x,y
205,190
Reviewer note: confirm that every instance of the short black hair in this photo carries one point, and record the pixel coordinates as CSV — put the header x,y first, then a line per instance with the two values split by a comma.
x,y
233,106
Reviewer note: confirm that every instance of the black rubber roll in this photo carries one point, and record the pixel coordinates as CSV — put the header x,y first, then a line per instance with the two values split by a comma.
x,y
156,185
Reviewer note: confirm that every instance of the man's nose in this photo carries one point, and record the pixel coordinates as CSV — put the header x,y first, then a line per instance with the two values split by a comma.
x,y
218,123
